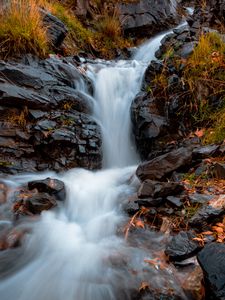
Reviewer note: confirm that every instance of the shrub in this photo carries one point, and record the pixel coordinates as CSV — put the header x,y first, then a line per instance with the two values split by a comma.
x,y
21,29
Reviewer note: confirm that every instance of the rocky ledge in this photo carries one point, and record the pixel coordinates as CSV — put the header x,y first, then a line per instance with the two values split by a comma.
x,y
45,118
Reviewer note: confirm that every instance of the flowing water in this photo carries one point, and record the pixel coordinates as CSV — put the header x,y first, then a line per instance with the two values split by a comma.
x,y
76,252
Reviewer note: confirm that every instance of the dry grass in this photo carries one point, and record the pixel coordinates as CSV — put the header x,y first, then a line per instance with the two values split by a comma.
x,y
21,29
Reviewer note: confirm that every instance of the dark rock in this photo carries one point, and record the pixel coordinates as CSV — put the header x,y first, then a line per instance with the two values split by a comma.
x,y
31,203
209,211
205,151
199,198
182,246
219,170
174,201
45,122
146,17
212,262
56,29
51,186
149,202
162,166
155,189
130,207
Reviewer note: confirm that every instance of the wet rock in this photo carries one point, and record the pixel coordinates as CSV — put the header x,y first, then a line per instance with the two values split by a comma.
x,y
212,262
130,206
209,211
146,17
3,192
155,189
31,203
51,186
182,246
162,166
193,285
11,238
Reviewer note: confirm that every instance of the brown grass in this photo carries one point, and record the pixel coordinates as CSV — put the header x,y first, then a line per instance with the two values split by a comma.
x,y
21,29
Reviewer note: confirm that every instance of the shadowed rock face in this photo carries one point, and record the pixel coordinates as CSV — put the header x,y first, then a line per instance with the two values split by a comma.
x,y
45,120
147,17
212,261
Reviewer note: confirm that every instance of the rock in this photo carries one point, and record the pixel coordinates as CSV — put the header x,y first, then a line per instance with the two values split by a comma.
x,y
182,246
31,203
149,202
162,166
3,192
45,122
155,189
193,285
219,170
130,206
199,198
209,211
205,151
174,201
56,29
147,17
51,186
11,238
149,121
212,262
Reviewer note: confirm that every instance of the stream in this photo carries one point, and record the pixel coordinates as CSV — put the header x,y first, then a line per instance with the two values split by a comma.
x,y
78,251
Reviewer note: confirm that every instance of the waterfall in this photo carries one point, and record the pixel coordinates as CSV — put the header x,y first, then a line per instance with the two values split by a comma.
x,y
74,252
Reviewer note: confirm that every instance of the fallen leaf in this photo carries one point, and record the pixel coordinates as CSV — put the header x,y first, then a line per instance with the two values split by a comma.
x,y
200,132
139,223
217,229
207,233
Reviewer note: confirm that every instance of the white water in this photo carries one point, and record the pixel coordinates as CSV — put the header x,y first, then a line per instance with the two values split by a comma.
x,y
74,253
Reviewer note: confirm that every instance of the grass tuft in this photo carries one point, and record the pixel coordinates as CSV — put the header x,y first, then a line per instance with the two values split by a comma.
x,y
22,29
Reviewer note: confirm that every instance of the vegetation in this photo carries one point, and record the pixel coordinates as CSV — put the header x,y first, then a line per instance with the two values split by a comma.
x,y
205,76
22,29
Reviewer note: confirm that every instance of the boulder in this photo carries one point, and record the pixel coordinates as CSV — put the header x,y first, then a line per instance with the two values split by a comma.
x,y
162,166
182,246
51,186
147,17
209,211
212,262
155,189
31,203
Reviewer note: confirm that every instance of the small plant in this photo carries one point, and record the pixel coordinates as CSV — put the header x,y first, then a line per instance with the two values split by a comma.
x,y
22,30
19,118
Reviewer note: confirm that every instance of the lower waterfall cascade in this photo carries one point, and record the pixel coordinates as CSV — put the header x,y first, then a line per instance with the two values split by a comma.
x,y
76,251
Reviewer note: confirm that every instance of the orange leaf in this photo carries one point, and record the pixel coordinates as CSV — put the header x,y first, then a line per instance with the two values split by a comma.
x,y
217,229
200,132
139,223
207,232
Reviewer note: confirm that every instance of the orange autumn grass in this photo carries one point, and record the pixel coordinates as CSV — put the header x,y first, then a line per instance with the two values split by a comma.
x,y
22,30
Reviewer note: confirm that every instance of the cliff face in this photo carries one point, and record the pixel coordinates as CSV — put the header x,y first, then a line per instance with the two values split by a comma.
x,y
147,17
